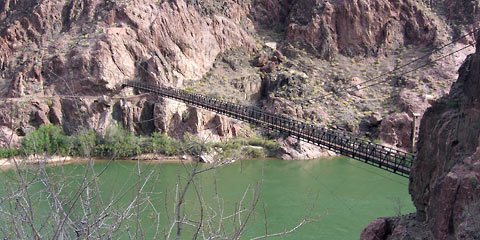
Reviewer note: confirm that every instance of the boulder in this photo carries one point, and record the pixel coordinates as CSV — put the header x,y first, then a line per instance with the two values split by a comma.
x,y
354,88
376,230
375,119
9,138
293,149
396,130
55,113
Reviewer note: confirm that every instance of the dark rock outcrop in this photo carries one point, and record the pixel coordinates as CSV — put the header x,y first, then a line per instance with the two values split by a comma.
x,y
396,130
444,182
271,13
445,174
466,11
376,230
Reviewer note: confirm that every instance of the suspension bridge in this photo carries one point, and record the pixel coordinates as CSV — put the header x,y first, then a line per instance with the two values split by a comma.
x,y
386,158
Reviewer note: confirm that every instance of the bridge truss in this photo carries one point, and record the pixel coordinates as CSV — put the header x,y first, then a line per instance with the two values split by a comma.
x,y
386,158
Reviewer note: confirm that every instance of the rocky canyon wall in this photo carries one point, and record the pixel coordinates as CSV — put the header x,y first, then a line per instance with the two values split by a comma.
x,y
63,62
445,179
352,28
80,50
445,176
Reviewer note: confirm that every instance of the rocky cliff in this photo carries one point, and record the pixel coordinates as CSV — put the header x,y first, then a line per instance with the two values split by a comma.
x,y
352,28
358,39
63,62
81,50
444,182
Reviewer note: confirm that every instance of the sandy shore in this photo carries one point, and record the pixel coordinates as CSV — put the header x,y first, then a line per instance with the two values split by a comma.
x,y
6,163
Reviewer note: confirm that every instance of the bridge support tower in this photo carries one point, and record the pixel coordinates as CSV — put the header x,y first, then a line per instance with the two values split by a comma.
x,y
415,130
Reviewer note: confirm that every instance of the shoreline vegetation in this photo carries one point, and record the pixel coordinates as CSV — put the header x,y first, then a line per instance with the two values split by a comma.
x,y
7,163
50,145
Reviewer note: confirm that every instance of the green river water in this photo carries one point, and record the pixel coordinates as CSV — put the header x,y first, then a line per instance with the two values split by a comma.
x,y
341,194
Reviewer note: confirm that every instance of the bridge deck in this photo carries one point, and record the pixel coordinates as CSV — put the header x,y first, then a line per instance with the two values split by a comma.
x,y
386,158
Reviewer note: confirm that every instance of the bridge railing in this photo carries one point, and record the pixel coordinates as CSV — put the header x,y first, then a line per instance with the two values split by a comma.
x,y
387,158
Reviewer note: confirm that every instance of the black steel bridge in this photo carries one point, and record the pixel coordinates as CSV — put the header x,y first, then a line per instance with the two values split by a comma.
x,y
383,157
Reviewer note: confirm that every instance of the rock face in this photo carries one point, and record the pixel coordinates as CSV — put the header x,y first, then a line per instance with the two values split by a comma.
x,y
88,48
406,227
372,26
203,124
447,170
57,58
444,182
271,12
375,230
396,130
165,42
463,11
8,138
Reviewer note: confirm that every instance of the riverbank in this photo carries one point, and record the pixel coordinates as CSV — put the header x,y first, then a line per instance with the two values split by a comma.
x,y
49,144
51,140
7,163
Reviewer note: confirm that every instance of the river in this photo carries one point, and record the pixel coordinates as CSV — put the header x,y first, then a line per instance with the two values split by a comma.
x,y
341,195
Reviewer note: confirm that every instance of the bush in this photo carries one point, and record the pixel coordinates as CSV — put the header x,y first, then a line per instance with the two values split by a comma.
x,y
84,143
121,143
270,146
160,143
232,145
256,142
47,139
118,142
252,152
194,146
8,153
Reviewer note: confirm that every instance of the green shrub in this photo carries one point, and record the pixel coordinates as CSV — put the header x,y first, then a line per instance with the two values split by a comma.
x,y
256,142
252,152
117,142
120,143
271,147
228,147
47,139
194,146
8,153
232,145
160,143
84,143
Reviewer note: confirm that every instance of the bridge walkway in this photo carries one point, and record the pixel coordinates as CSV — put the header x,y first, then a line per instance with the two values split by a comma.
x,y
386,158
